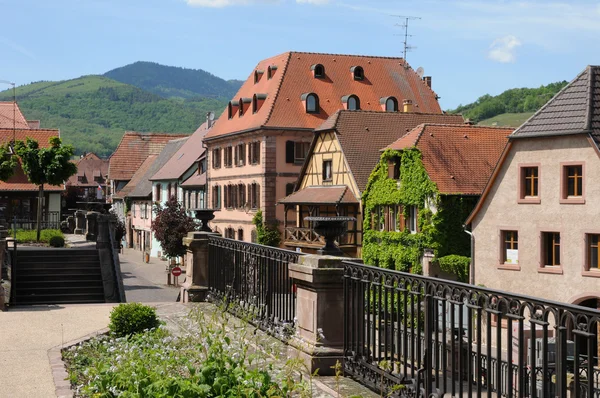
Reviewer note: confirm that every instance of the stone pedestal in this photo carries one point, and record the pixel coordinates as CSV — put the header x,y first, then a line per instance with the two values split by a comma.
x,y
71,224
319,311
92,226
110,266
79,222
195,287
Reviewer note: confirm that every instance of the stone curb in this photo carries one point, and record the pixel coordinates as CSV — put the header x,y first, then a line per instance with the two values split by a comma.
x,y
59,370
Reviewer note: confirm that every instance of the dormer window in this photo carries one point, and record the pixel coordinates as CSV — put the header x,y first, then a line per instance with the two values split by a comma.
x,y
271,71
358,72
257,75
311,102
257,101
318,71
232,108
389,104
244,105
351,102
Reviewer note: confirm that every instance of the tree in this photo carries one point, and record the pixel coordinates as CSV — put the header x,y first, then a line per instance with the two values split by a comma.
x,y
45,166
171,225
267,235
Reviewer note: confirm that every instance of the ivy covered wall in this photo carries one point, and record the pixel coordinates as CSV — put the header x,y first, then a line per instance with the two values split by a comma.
x,y
440,229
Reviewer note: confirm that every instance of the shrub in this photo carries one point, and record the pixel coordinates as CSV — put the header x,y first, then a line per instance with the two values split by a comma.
x,y
57,241
457,265
26,236
132,318
267,235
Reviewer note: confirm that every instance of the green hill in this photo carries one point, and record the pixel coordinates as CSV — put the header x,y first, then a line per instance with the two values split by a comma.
x,y
92,112
507,119
174,82
513,101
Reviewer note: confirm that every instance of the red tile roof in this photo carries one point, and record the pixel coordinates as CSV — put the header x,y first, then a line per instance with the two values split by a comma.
x,y
321,195
459,158
19,182
184,158
10,111
89,166
283,106
137,177
362,134
133,149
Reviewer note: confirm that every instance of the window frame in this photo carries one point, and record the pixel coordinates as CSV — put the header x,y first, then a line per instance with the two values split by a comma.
x,y
394,103
216,158
502,264
358,73
228,156
587,270
315,97
302,144
413,219
254,152
522,198
542,266
327,162
564,181
353,97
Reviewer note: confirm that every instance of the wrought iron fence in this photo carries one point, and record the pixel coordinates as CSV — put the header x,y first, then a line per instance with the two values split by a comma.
x,y
253,279
414,336
50,220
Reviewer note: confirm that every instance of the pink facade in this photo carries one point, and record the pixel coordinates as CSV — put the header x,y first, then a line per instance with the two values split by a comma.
x,y
141,222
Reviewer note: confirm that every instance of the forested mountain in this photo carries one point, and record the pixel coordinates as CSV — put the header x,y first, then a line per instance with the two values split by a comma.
x,y
92,112
516,100
175,82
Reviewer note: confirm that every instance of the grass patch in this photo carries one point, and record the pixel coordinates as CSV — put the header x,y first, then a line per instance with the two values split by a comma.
x,y
26,236
507,119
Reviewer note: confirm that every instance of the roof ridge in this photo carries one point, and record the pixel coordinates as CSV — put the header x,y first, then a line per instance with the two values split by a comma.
x,y
276,94
420,134
549,102
589,112
469,126
347,55
396,113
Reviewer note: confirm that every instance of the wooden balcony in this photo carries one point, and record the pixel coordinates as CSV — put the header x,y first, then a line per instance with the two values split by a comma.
x,y
306,237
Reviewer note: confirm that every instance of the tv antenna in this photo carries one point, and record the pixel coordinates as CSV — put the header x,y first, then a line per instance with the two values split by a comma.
x,y
404,25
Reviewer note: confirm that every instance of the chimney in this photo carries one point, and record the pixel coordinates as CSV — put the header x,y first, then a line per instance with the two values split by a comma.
x,y
407,105
427,80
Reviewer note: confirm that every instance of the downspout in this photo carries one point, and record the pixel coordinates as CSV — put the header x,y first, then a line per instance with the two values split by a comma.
x,y
472,268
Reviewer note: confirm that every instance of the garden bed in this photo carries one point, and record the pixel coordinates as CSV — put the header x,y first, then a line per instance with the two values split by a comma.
x,y
29,237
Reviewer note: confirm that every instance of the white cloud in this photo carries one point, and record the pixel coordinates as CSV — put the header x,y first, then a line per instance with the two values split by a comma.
x,y
317,2
503,49
226,3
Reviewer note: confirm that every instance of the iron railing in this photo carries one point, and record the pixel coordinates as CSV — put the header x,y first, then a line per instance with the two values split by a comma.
x,y
50,220
253,279
415,336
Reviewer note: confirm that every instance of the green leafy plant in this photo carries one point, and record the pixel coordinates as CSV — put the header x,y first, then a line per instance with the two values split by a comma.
x,y
132,318
170,226
457,265
28,236
266,234
56,241
50,165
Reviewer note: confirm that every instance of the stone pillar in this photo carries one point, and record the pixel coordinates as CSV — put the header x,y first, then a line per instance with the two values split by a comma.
x,y
92,225
110,267
426,263
71,224
79,222
195,287
319,311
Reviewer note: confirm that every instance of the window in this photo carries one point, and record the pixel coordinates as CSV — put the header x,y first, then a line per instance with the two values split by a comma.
x,y
412,219
216,197
254,153
240,155
394,168
228,155
550,249
318,71
289,188
146,211
98,178
240,234
81,178
592,261
510,249
257,75
529,183
296,152
393,219
271,71
216,161
574,180
327,170
358,72
241,193
229,233
381,217
391,104
311,102
157,192
232,108
254,195
352,102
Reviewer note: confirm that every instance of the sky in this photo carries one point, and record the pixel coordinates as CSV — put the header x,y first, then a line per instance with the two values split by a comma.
x,y
469,47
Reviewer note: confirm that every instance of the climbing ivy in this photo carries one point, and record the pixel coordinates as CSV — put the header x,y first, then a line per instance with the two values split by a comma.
x,y
440,230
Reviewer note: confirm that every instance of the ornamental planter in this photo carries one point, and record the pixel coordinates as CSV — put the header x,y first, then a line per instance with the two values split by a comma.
x,y
330,228
204,215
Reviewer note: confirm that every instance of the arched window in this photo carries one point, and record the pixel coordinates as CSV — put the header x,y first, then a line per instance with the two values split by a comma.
x,y
353,103
391,104
358,72
312,103
318,70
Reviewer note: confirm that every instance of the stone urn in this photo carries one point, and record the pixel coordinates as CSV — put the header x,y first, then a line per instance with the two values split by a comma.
x,y
330,228
204,215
